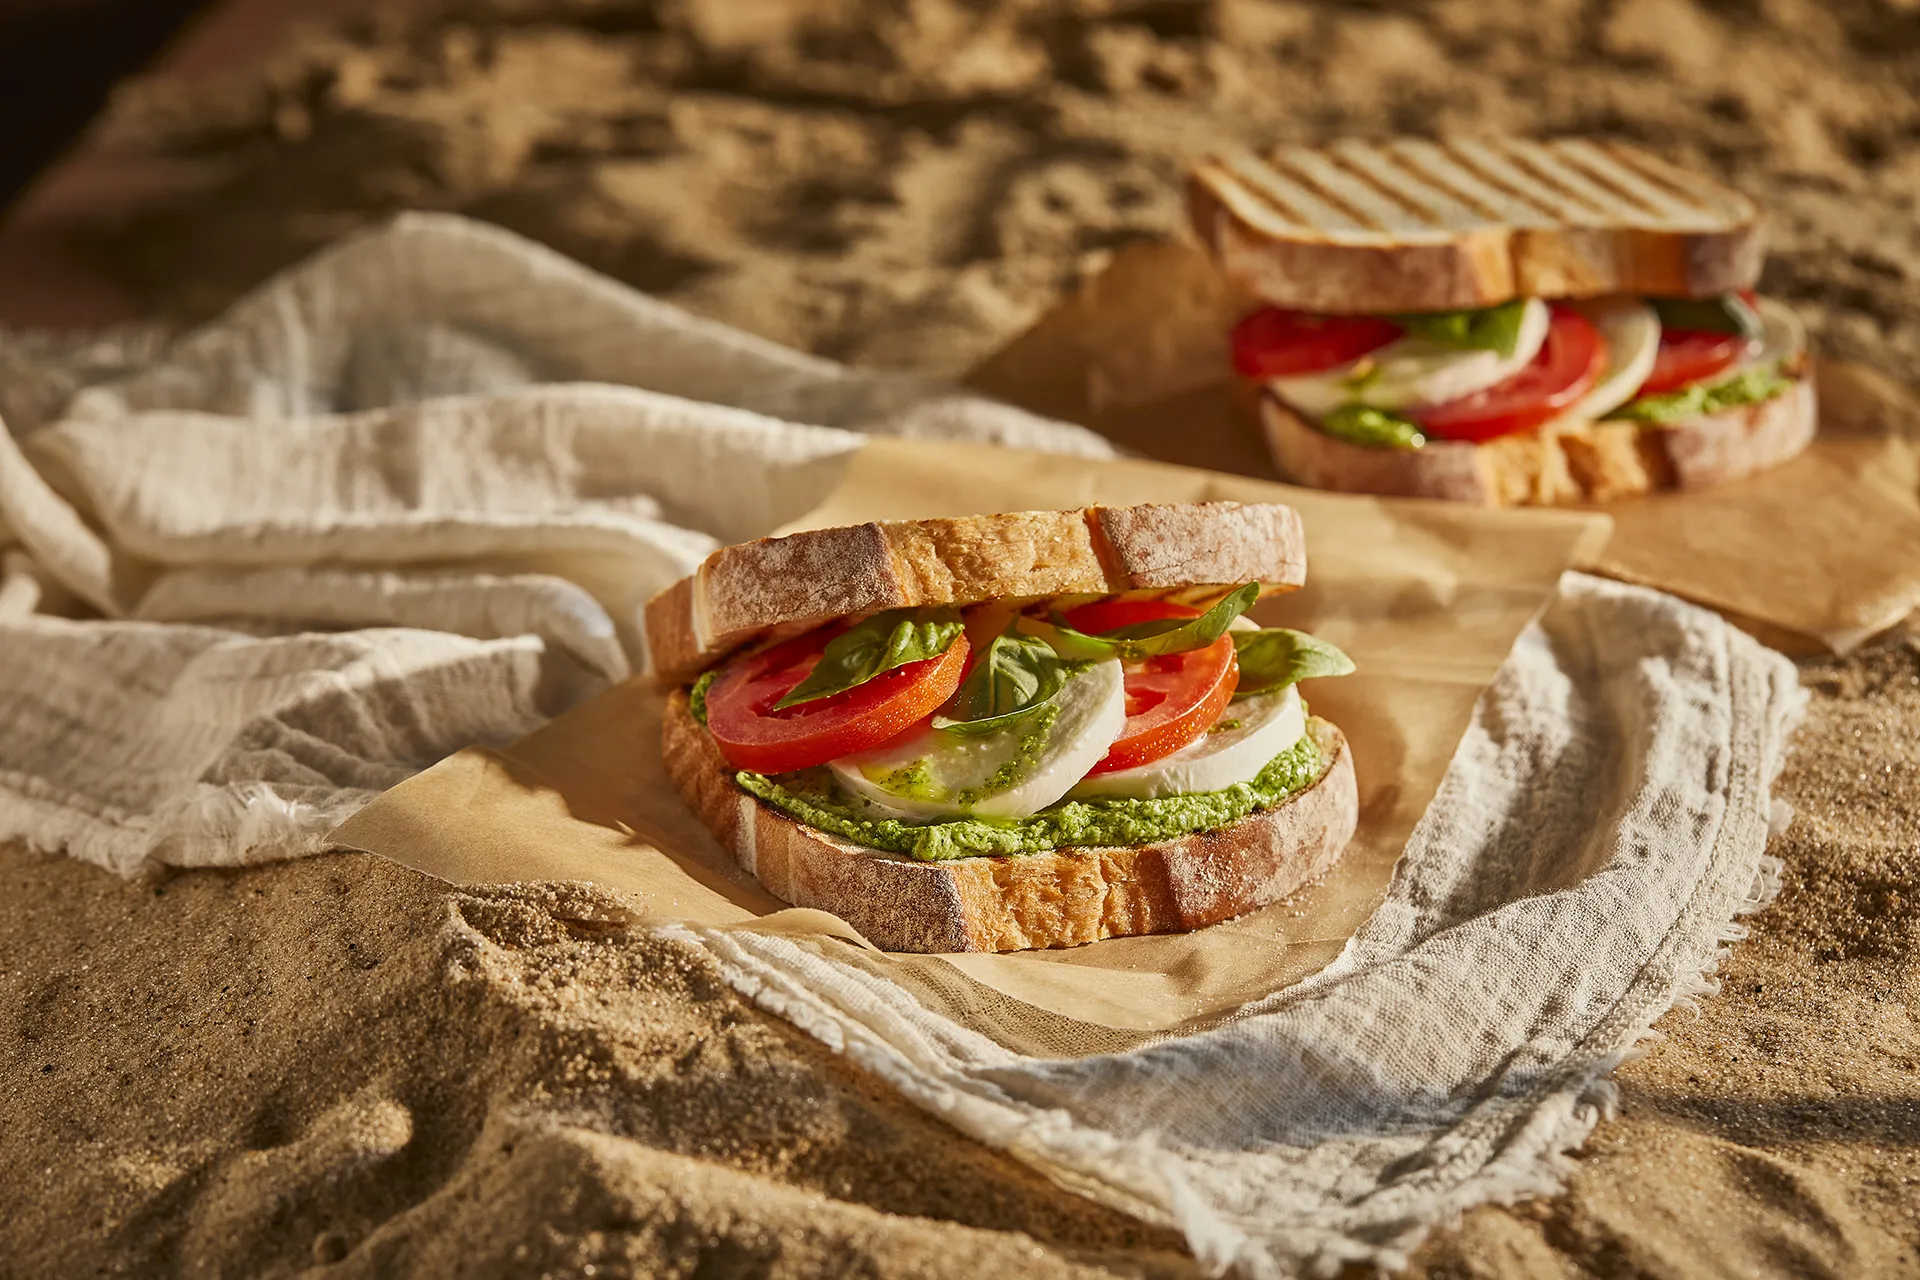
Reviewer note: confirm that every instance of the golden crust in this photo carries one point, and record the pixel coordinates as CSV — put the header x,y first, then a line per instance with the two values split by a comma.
x,y
1646,227
802,580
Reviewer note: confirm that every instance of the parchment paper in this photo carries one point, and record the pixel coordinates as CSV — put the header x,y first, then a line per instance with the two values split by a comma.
x,y
1427,597
1825,548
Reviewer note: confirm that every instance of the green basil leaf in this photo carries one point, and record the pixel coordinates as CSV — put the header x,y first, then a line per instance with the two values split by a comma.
x,y
1728,313
1142,640
1494,329
1017,675
1273,658
879,644
1375,428
1180,635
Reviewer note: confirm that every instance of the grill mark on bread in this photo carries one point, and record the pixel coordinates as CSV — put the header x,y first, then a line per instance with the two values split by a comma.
x,y
1419,225
1301,170
1716,201
1294,203
1498,171
1400,158
1413,187
1388,209
1541,164
1438,163
1424,202
1594,166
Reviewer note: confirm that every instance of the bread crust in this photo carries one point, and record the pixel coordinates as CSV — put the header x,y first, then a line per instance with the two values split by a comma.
x,y
743,592
1558,465
1445,266
1061,898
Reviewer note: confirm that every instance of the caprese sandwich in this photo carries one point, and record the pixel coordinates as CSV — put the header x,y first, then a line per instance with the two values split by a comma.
x,y
1504,322
993,733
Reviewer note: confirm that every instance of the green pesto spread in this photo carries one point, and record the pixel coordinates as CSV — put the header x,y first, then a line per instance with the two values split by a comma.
x,y
1363,424
810,796
697,696
1750,386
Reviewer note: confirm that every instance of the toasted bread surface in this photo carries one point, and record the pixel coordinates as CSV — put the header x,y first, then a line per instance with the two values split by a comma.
x,y
1060,898
804,579
1560,464
1416,225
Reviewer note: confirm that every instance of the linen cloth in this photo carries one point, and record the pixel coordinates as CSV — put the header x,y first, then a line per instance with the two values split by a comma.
x,y
411,495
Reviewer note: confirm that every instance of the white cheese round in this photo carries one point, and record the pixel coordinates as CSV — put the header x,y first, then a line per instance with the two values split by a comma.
x,y
1783,337
1412,371
1631,329
1009,773
1248,735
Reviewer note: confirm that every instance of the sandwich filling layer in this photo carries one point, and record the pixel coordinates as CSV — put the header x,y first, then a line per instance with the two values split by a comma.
x,y
1526,366
1018,729
811,797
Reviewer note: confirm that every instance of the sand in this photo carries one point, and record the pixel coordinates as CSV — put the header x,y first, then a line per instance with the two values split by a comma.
x,y
339,1062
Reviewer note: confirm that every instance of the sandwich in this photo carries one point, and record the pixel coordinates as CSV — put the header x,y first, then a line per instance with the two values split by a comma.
x,y
1503,322
1013,731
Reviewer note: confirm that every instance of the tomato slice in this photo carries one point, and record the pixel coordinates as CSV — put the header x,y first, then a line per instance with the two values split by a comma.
x,y
752,735
1171,700
1569,362
1692,355
1276,343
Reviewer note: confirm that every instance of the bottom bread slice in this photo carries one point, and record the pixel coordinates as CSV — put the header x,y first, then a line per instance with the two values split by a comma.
x,y
1060,898
1587,462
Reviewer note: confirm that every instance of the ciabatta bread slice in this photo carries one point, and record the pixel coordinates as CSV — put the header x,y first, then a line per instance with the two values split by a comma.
x,y
1560,464
742,592
1061,898
1416,225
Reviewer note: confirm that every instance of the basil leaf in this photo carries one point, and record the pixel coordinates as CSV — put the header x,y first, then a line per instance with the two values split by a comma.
x,y
879,644
1273,658
1139,641
1494,329
1179,635
1375,428
1017,675
1728,313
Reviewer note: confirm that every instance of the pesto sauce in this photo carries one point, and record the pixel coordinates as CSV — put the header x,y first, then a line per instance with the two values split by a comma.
x,y
697,696
1752,386
1362,424
811,797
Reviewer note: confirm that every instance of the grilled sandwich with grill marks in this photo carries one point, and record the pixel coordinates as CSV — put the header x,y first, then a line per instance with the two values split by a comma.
x,y
1504,321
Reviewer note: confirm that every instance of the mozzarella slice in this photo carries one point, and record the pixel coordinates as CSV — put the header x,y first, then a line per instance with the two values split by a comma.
x,y
1631,329
1783,337
1011,773
1249,734
1411,371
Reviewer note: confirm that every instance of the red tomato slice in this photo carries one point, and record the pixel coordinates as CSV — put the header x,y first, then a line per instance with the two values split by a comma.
x,y
1569,362
1692,355
1274,343
1171,700
752,735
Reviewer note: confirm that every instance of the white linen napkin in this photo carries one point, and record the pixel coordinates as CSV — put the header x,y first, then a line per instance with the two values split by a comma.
x,y
411,495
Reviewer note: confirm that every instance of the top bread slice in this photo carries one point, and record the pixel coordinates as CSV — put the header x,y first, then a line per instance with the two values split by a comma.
x,y
791,584
1417,225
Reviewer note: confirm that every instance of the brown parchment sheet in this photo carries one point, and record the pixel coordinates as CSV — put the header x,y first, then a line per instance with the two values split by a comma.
x,y
1428,598
1825,549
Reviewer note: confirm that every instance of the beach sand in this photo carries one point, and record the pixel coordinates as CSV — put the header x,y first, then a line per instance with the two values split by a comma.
x,y
340,1062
